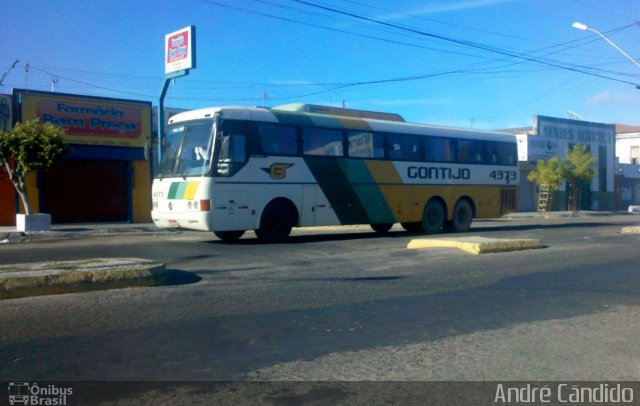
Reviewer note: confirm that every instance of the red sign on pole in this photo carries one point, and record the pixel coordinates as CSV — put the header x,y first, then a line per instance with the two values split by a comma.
x,y
179,50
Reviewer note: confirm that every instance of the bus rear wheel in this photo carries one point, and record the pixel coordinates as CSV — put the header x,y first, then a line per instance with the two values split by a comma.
x,y
433,217
276,223
229,236
462,216
381,228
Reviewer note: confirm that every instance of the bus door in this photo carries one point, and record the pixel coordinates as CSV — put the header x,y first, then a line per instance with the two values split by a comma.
x,y
316,210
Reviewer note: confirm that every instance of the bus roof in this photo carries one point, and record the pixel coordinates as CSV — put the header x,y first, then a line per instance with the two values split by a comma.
x,y
339,111
291,116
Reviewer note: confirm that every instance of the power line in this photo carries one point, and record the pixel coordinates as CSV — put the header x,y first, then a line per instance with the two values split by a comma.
x,y
322,27
463,42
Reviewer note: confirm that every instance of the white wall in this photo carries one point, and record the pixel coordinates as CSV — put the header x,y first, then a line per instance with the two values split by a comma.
x,y
624,142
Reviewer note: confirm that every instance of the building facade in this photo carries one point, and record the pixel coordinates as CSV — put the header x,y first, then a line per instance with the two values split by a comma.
x,y
628,166
105,175
552,137
7,194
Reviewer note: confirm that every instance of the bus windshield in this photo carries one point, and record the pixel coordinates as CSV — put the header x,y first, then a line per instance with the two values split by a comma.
x,y
186,149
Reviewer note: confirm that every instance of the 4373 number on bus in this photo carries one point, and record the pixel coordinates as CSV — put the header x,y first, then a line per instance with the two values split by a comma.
x,y
507,176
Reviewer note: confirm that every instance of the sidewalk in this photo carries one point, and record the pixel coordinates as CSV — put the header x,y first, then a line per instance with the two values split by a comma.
x,y
565,214
9,234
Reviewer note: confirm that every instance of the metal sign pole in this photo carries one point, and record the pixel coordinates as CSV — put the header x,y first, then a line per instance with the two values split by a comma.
x,y
161,118
180,54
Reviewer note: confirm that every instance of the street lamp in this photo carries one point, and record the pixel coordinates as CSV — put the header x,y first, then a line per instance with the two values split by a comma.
x,y
584,27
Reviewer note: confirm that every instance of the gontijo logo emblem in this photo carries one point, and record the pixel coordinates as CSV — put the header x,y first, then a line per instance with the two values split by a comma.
x,y
277,171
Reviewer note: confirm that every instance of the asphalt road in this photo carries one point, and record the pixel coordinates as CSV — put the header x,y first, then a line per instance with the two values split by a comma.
x,y
341,304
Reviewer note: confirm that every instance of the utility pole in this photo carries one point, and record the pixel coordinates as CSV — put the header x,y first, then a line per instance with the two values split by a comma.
x,y
53,84
26,76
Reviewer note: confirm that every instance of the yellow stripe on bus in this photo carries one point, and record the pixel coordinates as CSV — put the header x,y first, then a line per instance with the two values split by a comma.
x,y
190,191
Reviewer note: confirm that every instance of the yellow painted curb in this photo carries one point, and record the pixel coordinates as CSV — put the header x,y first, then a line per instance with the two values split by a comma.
x,y
630,230
477,245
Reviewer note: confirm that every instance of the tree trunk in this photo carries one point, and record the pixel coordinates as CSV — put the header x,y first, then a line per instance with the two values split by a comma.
x,y
25,201
573,197
21,187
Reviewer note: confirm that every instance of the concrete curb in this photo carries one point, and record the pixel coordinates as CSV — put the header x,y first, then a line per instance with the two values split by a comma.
x,y
477,245
8,236
630,230
47,278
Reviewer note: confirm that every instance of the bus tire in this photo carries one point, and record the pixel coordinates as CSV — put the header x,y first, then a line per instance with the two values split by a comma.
x,y
229,236
414,228
276,223
462,216
433,217
381,228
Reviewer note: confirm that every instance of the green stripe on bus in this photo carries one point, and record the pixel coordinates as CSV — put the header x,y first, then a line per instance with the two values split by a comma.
x,y
326,121
182,186
292,118
365,187
338,190
173,189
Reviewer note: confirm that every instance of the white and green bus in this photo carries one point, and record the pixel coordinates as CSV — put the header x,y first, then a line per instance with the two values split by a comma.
x,y
233,169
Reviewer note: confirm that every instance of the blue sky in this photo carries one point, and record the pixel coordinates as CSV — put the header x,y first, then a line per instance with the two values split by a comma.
x,y
489,64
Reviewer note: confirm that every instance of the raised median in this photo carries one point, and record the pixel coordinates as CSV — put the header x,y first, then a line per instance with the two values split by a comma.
x,y
630,230
46,278
476,245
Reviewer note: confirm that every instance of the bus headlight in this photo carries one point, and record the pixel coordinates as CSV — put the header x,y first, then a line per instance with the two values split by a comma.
x,y
199,205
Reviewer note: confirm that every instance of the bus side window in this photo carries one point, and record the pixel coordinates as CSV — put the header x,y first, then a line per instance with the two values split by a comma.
x,y
507,153
365,144
405,147
492,154
278,139
232,149
438,149
232,155
322,142
470,151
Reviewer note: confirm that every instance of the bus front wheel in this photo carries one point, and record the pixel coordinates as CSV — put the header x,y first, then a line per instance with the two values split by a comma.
x,y
229,236
276,223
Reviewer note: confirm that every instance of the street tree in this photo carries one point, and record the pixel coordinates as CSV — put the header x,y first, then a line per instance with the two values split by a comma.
x,y
577,168
547,176
27,147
